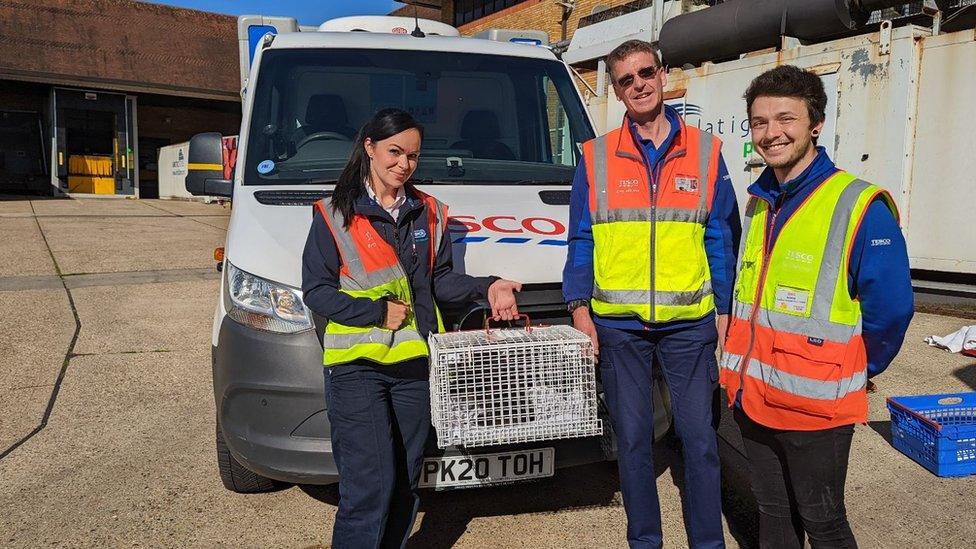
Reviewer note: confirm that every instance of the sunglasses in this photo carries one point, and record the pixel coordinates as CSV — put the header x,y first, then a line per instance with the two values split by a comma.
x,y
646,73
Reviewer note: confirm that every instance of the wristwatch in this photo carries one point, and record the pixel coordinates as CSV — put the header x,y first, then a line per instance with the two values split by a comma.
x,y
576,304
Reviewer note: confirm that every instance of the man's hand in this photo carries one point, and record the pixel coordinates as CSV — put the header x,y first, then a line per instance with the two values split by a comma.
x,y
722,325
501,297
583,323
396,313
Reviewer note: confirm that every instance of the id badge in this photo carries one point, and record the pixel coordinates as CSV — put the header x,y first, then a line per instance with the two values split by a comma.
x,y
686,184
791,300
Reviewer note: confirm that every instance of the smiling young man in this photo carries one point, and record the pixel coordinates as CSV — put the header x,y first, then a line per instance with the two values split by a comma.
x,y
822,300
653,230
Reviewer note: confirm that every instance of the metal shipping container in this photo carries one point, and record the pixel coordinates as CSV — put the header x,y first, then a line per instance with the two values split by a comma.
x,y
901,108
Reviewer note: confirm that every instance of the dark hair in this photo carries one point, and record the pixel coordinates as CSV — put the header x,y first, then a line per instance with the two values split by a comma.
x,y
790,81
384,124
628,48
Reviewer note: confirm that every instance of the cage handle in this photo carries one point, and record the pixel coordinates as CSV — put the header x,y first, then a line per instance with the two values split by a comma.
x,y
523,316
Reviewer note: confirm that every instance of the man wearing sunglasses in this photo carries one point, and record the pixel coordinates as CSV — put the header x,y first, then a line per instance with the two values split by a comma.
x,y
654,229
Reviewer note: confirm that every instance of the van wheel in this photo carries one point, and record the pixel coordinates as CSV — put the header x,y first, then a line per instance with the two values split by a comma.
x,y
235,476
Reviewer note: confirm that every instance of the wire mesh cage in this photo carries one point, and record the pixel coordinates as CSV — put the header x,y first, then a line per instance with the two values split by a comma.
x,y
512,385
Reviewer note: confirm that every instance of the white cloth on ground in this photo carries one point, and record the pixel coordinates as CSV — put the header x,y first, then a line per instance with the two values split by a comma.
x,y
963,339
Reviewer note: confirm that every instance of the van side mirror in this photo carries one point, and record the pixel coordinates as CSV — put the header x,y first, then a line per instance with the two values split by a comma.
x,y
205,167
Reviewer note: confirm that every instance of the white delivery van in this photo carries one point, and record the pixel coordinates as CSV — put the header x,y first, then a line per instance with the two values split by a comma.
x,y
503,127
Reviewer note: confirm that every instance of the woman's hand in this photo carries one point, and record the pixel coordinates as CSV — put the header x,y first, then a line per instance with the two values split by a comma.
x,y
396,313
501,297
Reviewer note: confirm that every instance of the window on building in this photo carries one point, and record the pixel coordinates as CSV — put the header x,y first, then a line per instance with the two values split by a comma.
x,y
466,11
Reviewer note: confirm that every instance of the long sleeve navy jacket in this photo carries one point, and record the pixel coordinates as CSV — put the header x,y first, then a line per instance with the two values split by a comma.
x,y
878,274
722,230
408,236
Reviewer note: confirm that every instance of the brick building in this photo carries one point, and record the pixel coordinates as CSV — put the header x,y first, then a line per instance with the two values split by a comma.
x,y
551,16
421,11
111,79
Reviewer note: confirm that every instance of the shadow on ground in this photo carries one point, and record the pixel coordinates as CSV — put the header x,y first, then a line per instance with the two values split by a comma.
x,y
738,503
447,514
967,375
883,428
961,309
30,197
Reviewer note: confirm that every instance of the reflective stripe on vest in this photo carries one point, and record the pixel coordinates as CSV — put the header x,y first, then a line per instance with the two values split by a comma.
x,y
436,233
436,224
795,384
370,268
802,340
649,256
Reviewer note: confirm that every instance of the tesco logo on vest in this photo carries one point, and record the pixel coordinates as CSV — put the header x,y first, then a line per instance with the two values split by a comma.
x,y
505,224
628,185
799,256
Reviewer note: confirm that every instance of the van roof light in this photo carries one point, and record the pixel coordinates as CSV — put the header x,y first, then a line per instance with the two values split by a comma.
x,y
516,36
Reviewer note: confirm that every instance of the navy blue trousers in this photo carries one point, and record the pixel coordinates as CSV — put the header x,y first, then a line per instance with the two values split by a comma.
x,y
687,360
380,418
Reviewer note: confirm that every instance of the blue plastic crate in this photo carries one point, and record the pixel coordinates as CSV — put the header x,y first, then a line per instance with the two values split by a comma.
x,y
938,431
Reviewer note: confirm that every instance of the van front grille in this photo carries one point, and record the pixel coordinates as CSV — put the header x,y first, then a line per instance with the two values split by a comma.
x,y
290,198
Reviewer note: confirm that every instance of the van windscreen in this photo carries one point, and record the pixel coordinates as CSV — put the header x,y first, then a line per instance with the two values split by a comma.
x,y
487,119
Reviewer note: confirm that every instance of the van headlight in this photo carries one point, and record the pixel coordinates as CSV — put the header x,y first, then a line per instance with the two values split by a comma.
x,y
262,304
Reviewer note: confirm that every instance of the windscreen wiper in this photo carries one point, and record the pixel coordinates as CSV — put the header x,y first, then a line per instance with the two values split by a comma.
x,y
432,181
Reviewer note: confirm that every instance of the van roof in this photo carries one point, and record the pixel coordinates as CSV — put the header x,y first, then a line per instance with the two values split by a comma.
x,y
388,24
382,41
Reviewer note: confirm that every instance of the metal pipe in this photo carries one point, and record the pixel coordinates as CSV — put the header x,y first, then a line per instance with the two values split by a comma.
x,y
739,26
658,21
583,80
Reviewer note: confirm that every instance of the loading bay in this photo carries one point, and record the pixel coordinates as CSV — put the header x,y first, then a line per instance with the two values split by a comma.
x,y
107,416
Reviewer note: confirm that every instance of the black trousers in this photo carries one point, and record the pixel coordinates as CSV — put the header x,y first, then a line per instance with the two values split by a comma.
x,y
380,417
798,480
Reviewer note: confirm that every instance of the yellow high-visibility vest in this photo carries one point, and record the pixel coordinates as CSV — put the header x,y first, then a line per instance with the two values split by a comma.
x,y
794,343
370,268
649,255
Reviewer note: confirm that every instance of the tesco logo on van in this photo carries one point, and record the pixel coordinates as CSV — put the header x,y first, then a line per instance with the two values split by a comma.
x,y
506,224
506,229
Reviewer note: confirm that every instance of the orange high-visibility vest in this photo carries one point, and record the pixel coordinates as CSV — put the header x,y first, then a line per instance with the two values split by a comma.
x,y
370,268
649,229
794,344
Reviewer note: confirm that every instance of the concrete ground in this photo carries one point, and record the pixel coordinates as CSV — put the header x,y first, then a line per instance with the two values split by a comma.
x,y
107,415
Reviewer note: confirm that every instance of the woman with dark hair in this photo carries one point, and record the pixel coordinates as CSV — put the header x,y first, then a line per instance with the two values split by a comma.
x,y
376,263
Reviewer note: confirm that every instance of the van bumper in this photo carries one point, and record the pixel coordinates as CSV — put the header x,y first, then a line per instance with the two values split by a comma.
x,y
269,391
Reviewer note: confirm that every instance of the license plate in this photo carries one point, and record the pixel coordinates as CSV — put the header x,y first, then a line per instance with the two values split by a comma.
x,y
485,469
